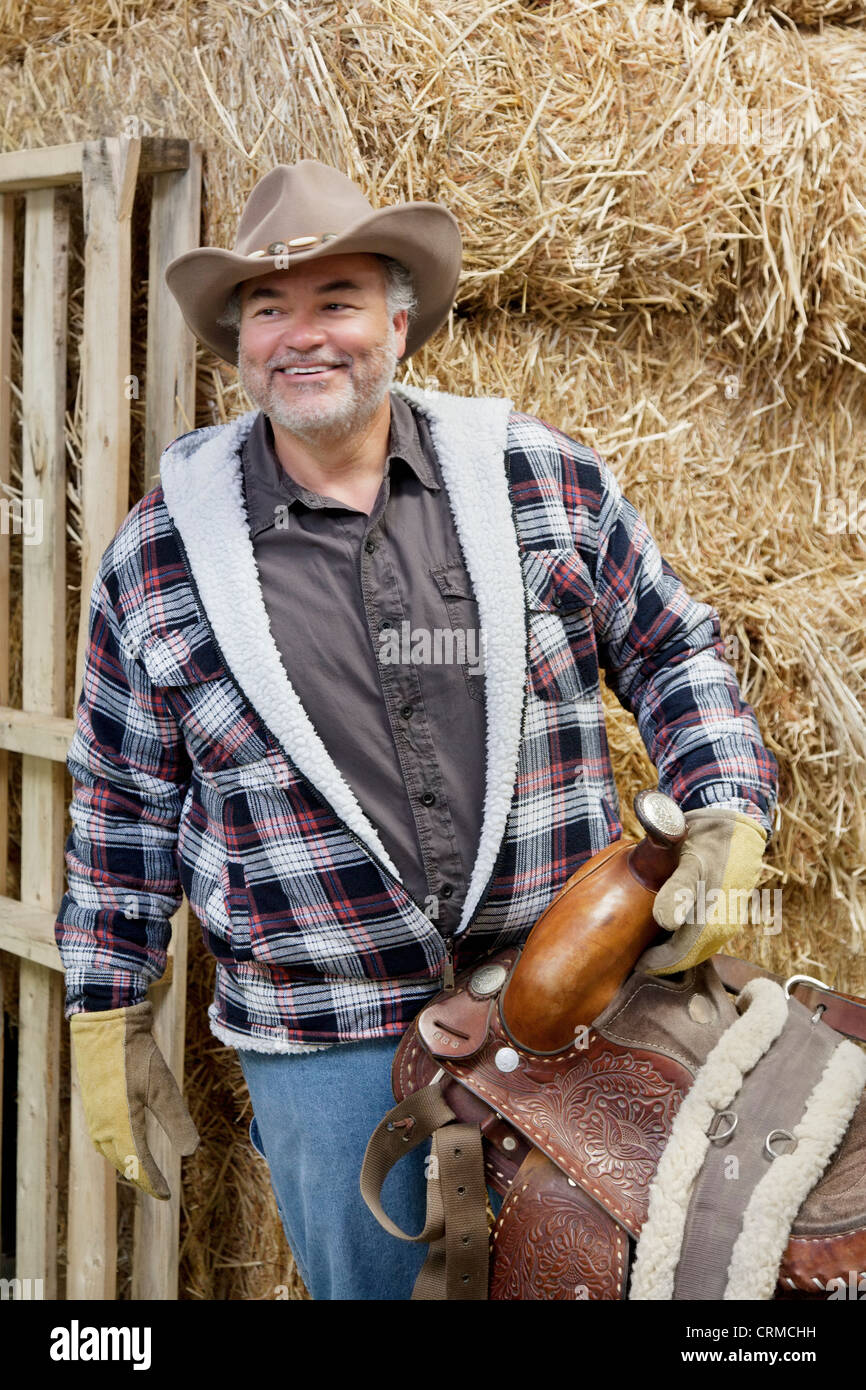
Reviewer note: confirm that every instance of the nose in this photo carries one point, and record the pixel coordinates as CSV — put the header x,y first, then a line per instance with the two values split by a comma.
x,y
302,330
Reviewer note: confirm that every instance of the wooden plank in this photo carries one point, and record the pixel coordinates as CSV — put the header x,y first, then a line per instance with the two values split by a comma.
x,y
28,932
170,411
174,228
49,167
40,1006
54,165
42,735
108,186
109,172
161,155
43,668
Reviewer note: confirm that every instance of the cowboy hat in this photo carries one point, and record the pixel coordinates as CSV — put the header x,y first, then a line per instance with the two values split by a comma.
x,y
302,212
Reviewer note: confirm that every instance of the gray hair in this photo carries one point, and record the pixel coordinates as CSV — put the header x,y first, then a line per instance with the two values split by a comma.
x,y
399,294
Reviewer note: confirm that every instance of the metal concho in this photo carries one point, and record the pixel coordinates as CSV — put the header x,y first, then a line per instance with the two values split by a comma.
x,y
507,1059
487,980
663,813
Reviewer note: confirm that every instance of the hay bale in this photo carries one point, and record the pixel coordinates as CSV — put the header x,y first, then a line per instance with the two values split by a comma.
x,y
611,161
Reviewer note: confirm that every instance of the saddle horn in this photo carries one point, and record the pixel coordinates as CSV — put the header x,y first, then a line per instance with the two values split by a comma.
x,y
587,941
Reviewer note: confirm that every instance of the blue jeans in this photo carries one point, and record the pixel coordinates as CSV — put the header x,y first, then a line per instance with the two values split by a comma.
x,y
313,1114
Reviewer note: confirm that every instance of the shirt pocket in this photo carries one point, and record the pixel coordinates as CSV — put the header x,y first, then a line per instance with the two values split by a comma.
x,y
560,596
462,609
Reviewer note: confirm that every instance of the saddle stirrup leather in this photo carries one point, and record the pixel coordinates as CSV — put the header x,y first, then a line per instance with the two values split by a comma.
x,y
682,1142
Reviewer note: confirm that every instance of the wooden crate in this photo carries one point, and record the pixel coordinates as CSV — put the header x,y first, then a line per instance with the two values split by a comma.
x,y
104,174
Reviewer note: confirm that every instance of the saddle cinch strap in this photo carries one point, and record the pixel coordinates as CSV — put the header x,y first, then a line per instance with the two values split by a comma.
x,y
456,1220
574,1141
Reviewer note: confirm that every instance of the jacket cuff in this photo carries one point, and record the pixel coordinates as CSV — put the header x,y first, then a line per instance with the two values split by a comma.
x,y
100,992
755,806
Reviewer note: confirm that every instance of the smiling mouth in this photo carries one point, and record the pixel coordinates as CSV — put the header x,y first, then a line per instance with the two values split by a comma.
x,y
291,375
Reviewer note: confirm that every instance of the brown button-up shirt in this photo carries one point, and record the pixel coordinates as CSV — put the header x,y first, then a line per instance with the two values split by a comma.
x,y
377,626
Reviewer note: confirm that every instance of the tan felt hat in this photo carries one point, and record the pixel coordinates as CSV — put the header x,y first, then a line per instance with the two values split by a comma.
x,y
301,212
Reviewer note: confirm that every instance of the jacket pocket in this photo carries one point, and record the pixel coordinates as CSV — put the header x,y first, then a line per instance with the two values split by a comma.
x,y
271,924
560,595
219,727
237,908
289,899
462,609
255,775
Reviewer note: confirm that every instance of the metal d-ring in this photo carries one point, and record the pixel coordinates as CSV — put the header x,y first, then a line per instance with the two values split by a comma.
x,y
782,1134
715,1138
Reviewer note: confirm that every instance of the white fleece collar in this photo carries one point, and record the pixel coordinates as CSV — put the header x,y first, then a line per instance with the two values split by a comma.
x,y
202,484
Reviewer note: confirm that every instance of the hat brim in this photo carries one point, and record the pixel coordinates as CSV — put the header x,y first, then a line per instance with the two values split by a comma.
x,y
425,237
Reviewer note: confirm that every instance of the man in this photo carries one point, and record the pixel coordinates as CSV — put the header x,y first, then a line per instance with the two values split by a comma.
x,y
272,719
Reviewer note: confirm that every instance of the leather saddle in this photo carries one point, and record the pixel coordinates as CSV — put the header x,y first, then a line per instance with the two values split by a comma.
x,y
573,1141
704,1137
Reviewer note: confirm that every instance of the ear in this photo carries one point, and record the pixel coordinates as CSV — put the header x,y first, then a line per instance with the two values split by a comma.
x,y
401,327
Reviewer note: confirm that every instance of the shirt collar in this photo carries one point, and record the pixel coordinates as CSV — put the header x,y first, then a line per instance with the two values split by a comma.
x,y
267,484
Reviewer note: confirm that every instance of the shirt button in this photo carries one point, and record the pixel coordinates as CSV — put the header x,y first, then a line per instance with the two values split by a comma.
x,y
446,890
369,546
385,625
428,799
406,711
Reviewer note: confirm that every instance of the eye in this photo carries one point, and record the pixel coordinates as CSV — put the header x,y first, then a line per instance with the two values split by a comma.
x,y
268,309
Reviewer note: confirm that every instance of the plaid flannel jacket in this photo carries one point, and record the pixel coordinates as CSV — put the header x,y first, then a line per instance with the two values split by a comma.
x,y
195,765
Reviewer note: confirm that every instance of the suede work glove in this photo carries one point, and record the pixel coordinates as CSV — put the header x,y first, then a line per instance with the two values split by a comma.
x,y
706,899
121,1072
